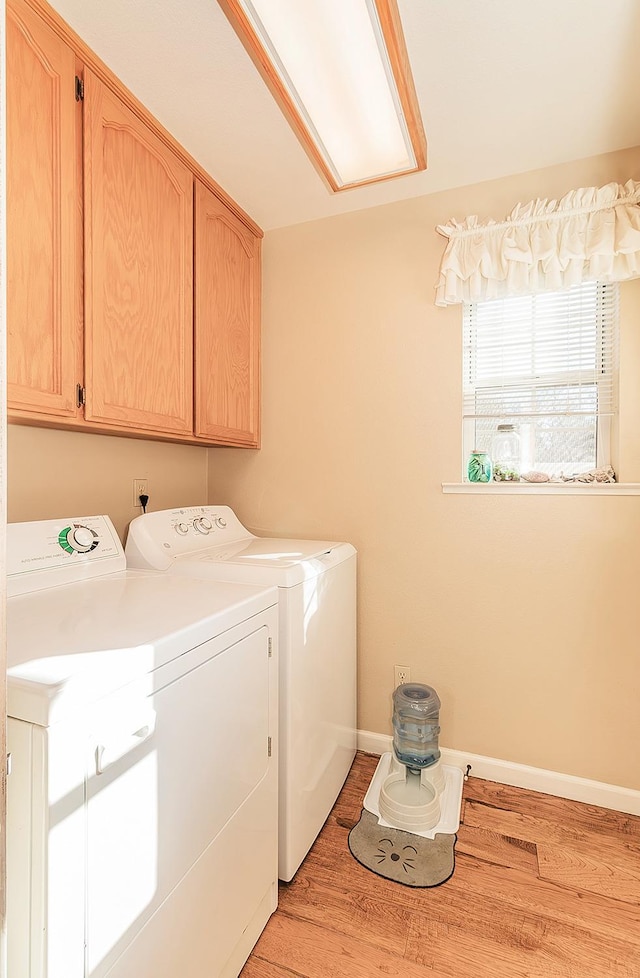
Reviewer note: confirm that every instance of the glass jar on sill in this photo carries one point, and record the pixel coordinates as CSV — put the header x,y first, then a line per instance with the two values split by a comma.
x,y
505,452
479,467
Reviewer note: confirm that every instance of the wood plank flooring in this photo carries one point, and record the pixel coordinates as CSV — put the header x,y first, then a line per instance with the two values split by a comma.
x,y
543,888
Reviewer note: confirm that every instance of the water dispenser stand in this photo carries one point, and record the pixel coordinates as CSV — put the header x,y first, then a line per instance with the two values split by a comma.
x,y
423,803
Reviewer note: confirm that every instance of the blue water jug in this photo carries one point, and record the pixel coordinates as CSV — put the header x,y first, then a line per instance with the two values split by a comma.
x,y
416,725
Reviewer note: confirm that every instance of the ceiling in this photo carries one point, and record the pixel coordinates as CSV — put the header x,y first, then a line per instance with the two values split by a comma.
x,y
504,86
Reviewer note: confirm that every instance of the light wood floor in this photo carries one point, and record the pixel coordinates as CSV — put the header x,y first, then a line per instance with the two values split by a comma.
x,y
543,888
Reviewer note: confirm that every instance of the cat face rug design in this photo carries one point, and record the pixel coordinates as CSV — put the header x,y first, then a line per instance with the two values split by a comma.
x,y
401,856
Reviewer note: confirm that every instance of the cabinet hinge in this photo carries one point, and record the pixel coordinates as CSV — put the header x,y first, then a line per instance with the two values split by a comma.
x,y
79,89
270,647
269,746
81,395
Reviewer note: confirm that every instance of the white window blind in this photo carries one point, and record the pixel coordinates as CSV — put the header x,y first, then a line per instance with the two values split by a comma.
x,y
546,363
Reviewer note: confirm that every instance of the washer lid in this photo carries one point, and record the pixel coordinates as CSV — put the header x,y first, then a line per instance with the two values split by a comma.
x,y
210,542
261,552
260,560
71,645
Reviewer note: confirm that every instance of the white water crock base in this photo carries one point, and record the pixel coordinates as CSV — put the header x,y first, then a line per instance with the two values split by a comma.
x,y
424,804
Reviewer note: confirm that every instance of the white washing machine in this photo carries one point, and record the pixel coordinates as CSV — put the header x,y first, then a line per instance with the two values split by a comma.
x,y
142,799
316,583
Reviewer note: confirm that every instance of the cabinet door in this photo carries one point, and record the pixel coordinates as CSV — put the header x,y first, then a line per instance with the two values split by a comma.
x,y
138,271
44,348
227,325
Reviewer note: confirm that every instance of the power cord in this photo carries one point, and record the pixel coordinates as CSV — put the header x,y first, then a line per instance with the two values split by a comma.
x,y
144,499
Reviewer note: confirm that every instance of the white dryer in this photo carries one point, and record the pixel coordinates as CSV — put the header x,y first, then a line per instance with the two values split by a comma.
x,y
142,806
316,583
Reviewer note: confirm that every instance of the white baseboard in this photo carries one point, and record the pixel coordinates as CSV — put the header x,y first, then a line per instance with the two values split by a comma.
x,y
374,743
612,796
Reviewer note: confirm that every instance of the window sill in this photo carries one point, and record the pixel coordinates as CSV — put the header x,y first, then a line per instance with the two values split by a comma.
x,y
544,488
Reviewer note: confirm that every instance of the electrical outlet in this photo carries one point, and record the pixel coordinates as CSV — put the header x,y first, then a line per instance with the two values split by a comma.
x,y
140,488
401,674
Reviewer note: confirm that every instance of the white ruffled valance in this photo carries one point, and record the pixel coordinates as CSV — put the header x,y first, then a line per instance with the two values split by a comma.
x,y
589,234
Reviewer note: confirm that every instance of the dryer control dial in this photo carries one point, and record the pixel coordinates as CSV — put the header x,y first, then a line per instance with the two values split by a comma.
x,y
220,522
182,529
78,539
202,525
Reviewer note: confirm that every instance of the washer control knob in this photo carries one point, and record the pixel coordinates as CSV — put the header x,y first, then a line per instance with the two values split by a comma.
x,y
182,528
220,522
201,524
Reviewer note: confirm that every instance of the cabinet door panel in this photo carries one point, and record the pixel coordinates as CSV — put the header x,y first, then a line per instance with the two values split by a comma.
x,y
227,324
138,271
43,346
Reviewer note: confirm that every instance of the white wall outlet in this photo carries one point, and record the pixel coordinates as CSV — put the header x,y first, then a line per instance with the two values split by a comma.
x,y
140,488
401,674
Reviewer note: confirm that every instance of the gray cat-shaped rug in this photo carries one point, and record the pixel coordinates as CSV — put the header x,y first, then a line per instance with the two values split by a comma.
x,y
402,856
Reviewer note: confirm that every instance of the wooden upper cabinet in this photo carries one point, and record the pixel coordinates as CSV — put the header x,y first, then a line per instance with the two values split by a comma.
x,y
227,325
100,259
138,271
43,251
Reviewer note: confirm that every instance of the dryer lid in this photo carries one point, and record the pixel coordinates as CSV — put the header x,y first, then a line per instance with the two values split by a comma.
x,y
71,645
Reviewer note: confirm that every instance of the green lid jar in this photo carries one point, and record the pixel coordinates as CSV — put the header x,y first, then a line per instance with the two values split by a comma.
x,y
479,467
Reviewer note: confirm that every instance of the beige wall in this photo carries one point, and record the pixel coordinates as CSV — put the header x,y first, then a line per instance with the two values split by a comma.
x,y
68,473
523,612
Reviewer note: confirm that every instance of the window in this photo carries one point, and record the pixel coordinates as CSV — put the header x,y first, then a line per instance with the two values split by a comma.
x,y
547,364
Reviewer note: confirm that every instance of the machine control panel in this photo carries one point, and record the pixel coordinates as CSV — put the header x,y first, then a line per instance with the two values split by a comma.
x,y
200,524
156,539
45,553
198,521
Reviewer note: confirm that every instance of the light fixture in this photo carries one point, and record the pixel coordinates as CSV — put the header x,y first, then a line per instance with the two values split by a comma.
x,y
340,72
